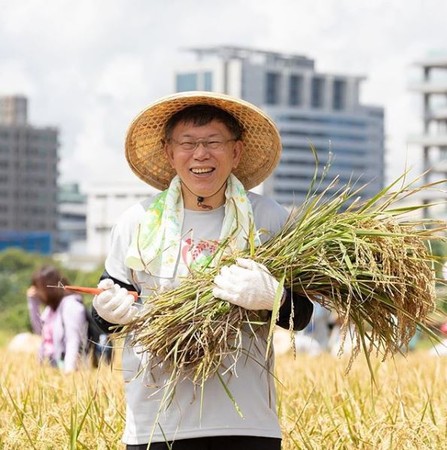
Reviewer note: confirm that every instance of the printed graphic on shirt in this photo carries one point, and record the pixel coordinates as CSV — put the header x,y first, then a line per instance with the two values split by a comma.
x,y
199,254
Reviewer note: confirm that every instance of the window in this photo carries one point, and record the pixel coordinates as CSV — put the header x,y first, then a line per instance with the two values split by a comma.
x,y
186,82
207,81
295,90
317,92
272,88
339,95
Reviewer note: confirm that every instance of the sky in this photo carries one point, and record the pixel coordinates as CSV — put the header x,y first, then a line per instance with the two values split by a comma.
x,y
89,67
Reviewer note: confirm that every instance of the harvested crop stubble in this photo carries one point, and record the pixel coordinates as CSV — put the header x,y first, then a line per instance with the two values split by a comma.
x,y
362,260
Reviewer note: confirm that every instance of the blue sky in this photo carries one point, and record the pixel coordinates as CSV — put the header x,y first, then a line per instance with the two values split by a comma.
x,y
90,66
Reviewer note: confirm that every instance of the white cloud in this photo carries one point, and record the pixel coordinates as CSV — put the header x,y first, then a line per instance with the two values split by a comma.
x,y
16,79
90,67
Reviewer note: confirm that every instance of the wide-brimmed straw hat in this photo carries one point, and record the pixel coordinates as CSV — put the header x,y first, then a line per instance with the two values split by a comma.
x,y
144,142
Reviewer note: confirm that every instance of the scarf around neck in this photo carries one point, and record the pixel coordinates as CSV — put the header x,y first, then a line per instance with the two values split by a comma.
x,y
155,247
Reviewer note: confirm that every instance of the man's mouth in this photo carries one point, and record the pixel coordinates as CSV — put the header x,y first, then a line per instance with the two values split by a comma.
x,y
199,171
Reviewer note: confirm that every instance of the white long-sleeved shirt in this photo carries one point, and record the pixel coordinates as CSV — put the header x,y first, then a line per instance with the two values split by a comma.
x,y
193,413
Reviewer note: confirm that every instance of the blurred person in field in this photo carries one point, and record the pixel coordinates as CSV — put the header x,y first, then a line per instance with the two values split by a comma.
x,y
204,151
444,271
315,338
59,317
440,349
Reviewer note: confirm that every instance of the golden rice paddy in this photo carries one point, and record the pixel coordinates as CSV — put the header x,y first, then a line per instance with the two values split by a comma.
x,y
320,405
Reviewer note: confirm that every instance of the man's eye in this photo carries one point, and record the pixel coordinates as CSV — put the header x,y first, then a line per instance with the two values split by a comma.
x,y
187,144
214,144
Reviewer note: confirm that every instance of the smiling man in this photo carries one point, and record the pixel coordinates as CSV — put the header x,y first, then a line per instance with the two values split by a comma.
x,y
204,151
203,146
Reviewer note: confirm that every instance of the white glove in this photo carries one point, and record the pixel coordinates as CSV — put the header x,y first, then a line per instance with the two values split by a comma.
x,y
115,304
247,284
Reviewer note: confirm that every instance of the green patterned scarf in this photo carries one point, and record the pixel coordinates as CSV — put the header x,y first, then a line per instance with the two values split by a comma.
x,y
155,247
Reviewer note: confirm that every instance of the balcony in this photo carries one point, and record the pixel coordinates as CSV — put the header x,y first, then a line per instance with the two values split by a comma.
x,y
439,62
429,140
438,114
438,87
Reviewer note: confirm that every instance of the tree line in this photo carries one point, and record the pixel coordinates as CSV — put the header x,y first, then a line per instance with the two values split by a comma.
x,y
16,269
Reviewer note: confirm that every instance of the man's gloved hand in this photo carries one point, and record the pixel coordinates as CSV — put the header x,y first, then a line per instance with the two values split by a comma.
x,y
247,284
115,304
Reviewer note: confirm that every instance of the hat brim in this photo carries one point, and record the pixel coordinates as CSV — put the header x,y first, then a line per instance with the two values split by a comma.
x,y
145,149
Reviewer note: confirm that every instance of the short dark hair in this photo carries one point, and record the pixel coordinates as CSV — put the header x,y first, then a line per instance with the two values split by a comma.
x,y
200,115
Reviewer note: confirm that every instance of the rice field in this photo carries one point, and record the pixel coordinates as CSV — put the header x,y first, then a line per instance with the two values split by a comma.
x,y
321,407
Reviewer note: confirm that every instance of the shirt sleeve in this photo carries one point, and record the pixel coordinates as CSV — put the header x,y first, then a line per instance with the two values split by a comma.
x,y
295,312
75,329
34,305
115,269
120,239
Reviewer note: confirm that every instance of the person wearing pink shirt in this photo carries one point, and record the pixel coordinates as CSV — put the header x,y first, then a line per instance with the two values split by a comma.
x,y
59,317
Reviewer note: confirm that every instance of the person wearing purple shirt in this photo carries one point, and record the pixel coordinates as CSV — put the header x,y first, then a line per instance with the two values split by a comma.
x,y
59,317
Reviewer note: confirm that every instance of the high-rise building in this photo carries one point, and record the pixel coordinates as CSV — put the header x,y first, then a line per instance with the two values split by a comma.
x,y
432,141
310,108
28,175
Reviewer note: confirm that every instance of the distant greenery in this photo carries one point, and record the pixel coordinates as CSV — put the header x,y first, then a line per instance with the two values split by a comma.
x,y
16,269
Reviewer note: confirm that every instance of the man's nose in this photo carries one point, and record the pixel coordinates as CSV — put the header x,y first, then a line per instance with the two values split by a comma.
x,y
201,150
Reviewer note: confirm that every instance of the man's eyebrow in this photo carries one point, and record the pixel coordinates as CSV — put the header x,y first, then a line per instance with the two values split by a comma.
x,y
186,135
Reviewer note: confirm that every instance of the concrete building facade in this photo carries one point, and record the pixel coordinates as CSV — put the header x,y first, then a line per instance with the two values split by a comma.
x,y
432,141
28,171
105,203
72,204
310,108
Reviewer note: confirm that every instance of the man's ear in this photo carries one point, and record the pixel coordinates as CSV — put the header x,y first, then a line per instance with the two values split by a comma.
x,y
169,153
237,153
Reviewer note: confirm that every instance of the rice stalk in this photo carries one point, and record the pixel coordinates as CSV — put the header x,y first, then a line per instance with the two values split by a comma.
x,y
367,261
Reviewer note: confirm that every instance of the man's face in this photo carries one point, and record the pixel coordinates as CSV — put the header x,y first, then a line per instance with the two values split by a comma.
x,y
203,168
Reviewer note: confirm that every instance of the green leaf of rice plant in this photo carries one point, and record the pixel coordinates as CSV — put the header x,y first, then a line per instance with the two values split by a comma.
x,y
368,260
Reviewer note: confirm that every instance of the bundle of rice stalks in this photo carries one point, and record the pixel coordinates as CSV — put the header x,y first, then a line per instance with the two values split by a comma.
x,y
365,261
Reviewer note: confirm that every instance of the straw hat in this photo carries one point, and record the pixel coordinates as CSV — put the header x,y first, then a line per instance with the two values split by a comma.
x,y
144,141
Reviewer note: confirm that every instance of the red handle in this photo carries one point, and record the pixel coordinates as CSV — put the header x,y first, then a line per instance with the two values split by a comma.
x,y
93,291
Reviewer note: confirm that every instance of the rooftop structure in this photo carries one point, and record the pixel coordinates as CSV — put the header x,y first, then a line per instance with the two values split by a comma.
x,y
310,108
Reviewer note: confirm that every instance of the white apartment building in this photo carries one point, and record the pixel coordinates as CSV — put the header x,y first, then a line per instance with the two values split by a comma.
x,y
432,141
310,108
105,203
